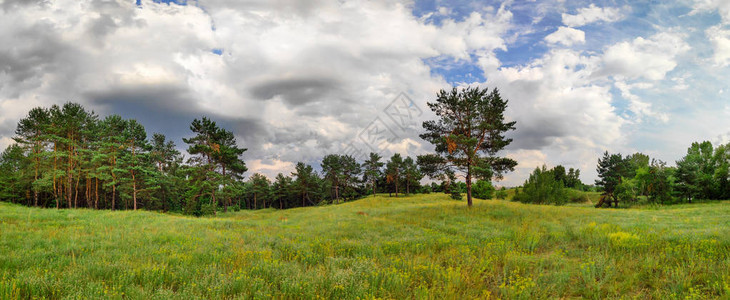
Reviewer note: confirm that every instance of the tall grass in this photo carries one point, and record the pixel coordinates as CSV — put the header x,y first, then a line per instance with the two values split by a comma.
x,y
424,246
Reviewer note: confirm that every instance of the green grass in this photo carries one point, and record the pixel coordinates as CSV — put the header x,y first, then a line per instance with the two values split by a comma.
x,y
424,246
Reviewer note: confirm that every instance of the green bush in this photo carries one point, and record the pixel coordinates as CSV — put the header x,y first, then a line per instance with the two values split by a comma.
x,y
577,196
426,189
483,189
626,191
542,188
502,194
208,209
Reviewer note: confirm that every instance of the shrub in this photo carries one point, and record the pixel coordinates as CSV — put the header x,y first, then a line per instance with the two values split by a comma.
x,y
542,188
577,196
426,189
208,209
502,194
483,189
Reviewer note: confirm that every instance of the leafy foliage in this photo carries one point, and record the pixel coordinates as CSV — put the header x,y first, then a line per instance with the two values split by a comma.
x,y
542,188
483,189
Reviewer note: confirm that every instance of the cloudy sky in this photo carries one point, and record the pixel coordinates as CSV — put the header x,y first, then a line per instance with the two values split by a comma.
x,y
297,79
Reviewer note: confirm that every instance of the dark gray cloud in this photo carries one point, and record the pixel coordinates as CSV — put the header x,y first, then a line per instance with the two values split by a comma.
x,y
102,26
165,109
10,5
538,132
32,52
112,16
170,110
297,91
284,7
7,128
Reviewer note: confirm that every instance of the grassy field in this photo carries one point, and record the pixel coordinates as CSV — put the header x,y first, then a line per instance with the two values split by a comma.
x,y
424,246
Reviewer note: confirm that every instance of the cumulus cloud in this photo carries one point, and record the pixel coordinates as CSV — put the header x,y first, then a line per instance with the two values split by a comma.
x,y
566,36
649,58
592,14
561,111
720,39
294,80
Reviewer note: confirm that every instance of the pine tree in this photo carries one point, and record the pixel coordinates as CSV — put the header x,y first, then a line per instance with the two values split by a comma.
x,y
31,135
134,161
107,156
260,189
394,170
306,183
166,160
373,168
411,173
282,189
468,135
12,171
333,171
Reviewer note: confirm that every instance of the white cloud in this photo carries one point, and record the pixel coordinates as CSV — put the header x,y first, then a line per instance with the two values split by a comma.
x,y
648,58
269,168
566,36
528,159
5,142
721,6
639,107
592,14
299,79
720,39
295,79
560,111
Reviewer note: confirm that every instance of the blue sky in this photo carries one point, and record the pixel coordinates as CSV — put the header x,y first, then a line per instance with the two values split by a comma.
x,y
298,79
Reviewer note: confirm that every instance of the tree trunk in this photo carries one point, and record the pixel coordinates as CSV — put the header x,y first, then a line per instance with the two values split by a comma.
x,y
337,194
55,166
69,174
76,194
114,196
213,200
468,186
96,202
396,187
225,201
373,188
134,190
87,191
69,180
35,178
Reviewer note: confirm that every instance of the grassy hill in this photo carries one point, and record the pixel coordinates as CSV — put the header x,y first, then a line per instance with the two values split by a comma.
x,y
424,246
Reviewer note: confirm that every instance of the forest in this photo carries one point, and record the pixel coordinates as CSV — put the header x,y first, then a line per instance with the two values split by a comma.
x,y
69,157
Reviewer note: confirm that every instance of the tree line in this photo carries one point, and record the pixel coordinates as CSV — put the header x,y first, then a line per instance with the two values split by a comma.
x,y
68,157
703,173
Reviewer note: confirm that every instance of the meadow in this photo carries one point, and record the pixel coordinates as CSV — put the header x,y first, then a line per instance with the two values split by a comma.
x,y
422,246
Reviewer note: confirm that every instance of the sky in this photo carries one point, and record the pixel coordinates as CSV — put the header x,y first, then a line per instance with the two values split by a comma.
x,y
298,79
